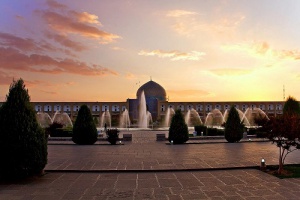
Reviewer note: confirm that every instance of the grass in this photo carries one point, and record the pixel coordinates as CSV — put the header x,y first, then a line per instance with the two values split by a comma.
x,y
289,171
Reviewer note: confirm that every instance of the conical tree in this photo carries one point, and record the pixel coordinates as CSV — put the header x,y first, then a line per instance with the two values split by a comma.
x,y
178,131
23,145
233,127
84,129
291,106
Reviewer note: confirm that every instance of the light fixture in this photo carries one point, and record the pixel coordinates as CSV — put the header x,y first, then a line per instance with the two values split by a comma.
x,y
263,164
171,141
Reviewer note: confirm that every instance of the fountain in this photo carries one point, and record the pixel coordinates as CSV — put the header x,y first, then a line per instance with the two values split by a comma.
x,y
169,114
124,119
254,113
44,119
214,118
62,118
144,115
192,118
105,119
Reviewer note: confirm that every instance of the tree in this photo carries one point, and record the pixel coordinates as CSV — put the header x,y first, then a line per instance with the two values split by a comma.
x,y
178,131
234,127
291,106
23,145
284,131
84,129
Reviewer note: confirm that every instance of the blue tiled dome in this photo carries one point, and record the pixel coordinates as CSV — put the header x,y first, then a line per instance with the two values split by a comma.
x,y
152,90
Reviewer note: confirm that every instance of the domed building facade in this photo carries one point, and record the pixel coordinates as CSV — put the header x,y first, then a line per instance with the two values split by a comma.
x,y
154,93
152,90
157,104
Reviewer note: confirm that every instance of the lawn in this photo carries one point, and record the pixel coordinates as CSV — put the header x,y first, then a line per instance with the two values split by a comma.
x,y
290,171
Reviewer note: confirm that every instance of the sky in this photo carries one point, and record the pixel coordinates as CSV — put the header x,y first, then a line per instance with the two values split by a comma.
x,y
104,50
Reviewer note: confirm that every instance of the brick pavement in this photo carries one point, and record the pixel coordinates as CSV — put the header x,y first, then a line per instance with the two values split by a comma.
x,y
112,178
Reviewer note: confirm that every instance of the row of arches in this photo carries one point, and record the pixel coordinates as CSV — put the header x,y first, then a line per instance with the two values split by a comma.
x,y
210,107
75,108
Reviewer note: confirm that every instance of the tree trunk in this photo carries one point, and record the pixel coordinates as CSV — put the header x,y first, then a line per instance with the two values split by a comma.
x,y
280,162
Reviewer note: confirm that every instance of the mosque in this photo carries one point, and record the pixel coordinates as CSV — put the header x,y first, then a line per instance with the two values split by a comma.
x,y
157,104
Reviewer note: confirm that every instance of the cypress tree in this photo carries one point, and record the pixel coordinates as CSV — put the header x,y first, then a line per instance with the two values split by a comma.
x,y
233,127
291,107
84,129
23,144
178,131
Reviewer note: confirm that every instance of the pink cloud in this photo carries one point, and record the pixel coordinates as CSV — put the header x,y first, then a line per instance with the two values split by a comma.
x,y
5,79
65,41
13,59
73,22
174,55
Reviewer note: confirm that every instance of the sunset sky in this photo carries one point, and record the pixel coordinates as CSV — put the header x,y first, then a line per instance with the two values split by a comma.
x,y
198,50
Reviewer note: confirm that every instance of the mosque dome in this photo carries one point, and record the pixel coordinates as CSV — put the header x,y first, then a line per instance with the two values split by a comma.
x,y
152,90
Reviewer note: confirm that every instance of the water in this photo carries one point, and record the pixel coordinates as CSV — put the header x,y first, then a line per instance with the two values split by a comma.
x,y
169,114
105,119
192,118
62,118
124,120
144,116
45,120
215,117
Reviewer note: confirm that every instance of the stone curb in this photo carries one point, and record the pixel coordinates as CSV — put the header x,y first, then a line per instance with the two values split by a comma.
x,y
149,170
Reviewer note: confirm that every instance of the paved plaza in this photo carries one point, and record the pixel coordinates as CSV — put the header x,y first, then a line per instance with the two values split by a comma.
x,y
147,169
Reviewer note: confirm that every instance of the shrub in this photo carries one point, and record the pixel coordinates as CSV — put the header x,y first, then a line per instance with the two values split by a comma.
x,y
112,135
200,129
84,129
234,128
23,145
178,131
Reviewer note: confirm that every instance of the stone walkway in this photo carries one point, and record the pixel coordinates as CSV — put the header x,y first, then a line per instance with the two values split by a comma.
x,y
146,169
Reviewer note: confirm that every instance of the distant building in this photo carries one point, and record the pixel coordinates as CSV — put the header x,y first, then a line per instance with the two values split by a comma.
x,y
157,105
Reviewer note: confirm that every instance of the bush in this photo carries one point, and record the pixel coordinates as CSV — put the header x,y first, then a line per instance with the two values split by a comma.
x,y
200,129
23,144
178,131
252,131
112,135
84,129
215,132
57,130
234,128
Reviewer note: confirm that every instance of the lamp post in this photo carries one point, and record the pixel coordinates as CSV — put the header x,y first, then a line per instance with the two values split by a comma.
x,y
263,165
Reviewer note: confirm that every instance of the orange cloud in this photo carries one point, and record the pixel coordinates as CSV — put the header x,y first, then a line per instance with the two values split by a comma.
x,y
189,23
5,79
13,59
262,49
230,72
188,95
174,55
179,13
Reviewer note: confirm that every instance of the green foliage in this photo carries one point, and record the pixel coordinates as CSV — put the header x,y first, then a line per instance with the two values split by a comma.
x,y
112,135
214,132
178,131
234,128
84,129
284,131
200,128
23,144
56,130
291,107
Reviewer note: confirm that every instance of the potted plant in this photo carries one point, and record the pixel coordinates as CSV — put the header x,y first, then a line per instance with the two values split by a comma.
x,y
112,135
